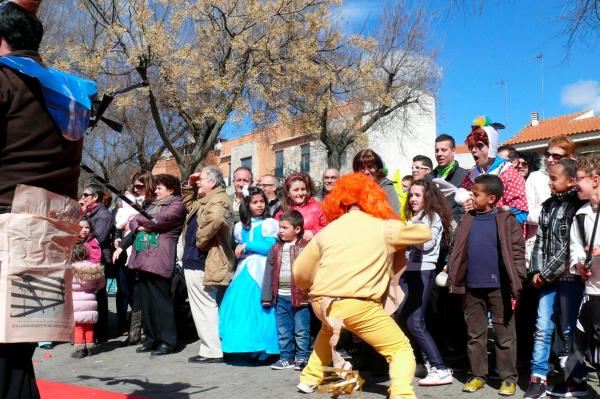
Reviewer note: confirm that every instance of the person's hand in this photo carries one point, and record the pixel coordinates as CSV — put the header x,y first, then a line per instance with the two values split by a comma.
x,y
585,273
537,281
468,205
596,250
116,243
239,250
116,254
308,235
266,304
142,228
193,179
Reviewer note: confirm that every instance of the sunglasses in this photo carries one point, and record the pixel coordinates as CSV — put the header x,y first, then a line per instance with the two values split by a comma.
x,y
85,195
523,164
479,146
139,186
554,155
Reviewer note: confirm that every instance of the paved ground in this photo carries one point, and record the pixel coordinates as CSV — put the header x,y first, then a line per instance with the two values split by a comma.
x,y
122,370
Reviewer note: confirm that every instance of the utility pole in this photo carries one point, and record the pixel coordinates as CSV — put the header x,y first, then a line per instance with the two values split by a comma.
x,y
540,57
504,83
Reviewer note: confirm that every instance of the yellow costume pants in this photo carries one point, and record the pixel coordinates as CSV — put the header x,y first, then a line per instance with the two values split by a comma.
x,y
368,321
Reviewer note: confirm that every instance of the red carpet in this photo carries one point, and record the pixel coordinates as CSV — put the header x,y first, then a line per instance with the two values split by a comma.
x,y
56,390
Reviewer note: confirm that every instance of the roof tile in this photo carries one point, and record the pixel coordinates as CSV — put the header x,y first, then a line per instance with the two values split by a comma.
x,y
560,125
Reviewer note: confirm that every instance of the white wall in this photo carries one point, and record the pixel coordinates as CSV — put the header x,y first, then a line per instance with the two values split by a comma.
x,y
465,160
398,140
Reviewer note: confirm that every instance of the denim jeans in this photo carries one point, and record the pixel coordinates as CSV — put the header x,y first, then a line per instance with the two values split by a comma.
x,y
559,302
293,328
411,313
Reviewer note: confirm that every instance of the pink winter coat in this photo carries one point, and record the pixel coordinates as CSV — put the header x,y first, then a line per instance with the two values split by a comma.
x,y
93,249
88,278
314,219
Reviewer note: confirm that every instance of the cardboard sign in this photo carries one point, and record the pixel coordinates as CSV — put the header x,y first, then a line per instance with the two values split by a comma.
x,y
36,240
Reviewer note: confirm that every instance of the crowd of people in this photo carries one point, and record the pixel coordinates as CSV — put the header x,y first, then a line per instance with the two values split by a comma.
x,y
417,276
501,250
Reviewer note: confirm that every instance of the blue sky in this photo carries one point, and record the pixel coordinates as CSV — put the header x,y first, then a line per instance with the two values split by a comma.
x,y
477,50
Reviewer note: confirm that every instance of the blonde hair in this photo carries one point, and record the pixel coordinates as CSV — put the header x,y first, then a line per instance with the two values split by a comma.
x,y
590,163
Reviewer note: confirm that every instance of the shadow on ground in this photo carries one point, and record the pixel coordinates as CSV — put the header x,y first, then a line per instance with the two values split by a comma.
x,y
148,389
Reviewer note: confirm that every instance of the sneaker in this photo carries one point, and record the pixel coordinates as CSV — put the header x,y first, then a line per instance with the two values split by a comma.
x,y
569,389
507,388
536,388
79,354
282,365
305,388
299,364
436,377
473,384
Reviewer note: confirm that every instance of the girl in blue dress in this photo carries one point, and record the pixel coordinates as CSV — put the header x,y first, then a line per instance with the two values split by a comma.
x,y
245,326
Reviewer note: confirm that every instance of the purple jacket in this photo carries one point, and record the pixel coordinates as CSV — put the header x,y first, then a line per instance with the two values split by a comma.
x,y
87,280
168,223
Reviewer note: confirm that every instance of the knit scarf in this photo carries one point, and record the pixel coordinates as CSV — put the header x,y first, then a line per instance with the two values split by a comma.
x,y
444,171
145,239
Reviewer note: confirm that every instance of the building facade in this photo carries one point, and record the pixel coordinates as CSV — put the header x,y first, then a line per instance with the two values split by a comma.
x,y
281,150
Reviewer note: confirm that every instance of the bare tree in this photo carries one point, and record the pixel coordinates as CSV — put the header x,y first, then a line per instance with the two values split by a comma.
x,y
202,61
357,82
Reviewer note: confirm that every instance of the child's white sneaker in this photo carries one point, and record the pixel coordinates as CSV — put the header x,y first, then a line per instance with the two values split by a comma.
x,y
305,388
437,377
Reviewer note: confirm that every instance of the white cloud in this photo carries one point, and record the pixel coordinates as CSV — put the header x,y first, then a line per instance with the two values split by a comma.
x,y
584,94
356,11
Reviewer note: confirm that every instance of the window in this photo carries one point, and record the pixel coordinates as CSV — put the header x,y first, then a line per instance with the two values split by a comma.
x,y
229,174
279,163
305,158
247,162
344,158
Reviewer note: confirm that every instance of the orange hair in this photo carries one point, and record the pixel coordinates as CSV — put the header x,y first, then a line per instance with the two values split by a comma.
x,y
360,190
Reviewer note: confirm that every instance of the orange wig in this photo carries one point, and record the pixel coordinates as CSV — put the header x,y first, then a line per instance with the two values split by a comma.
x,y
360,190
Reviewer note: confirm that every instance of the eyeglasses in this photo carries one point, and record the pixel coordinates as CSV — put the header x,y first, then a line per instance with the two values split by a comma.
x,y
418,168
85,195
554,155
580,178
261,185
330,177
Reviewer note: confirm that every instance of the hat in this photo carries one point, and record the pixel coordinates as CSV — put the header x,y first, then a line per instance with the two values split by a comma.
x,y
488,126
30,5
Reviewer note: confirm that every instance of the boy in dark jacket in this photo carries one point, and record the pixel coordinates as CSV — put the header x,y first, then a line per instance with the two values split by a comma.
x,y
291,305
487,264
560,290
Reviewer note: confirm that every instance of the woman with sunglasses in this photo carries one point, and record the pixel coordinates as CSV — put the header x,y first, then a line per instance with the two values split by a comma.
x,y
142,188
483,145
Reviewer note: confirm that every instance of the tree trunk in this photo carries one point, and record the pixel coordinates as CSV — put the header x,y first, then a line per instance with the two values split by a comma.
x,y
334,158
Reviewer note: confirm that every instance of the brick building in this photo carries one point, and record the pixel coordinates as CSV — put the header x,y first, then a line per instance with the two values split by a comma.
x,y
279,149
